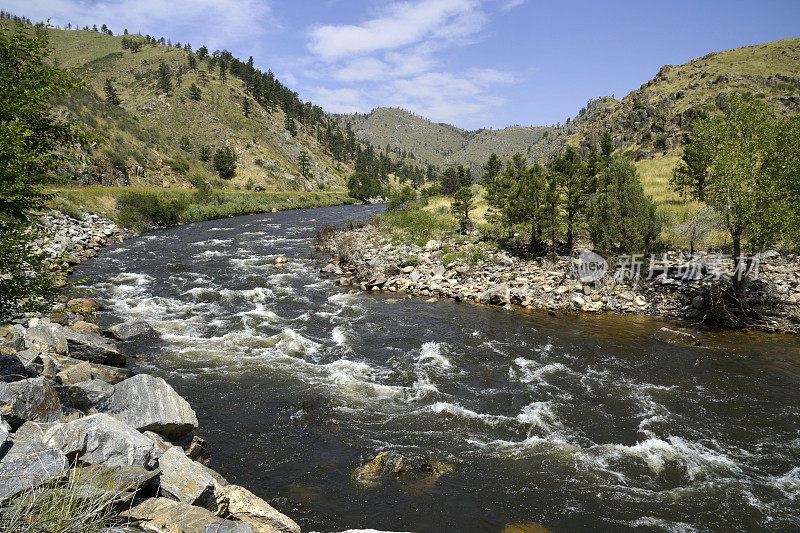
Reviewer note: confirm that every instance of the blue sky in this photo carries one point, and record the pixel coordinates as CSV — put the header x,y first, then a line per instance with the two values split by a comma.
x,y
472,63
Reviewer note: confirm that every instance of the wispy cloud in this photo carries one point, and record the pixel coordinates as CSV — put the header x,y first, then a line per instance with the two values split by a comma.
x,y
511,4
395,56
217,23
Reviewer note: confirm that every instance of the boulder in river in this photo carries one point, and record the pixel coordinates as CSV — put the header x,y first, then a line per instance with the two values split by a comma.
x,y
149,403
404,467
243,505
130,330
12,368
676,336
84,306
44,336
29,399
93,348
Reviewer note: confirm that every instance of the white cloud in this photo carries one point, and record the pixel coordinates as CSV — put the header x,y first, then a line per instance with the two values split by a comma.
x,y
362,69
216,23
403,24
340,100
511,4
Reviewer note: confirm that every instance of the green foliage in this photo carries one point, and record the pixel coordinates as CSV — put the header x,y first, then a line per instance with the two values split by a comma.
x,y
26,282
526,199
461,206
304,163
290,125
31,135
420,225
144,209
689,175
363,186
621,218
496,189
195,93
606,144
401,199
111,94
453,178
204,154
225,162
246,107
571,181
751,163
164,78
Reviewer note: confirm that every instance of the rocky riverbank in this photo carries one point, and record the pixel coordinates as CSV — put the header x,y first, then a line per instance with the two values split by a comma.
x,y
70,410
464,270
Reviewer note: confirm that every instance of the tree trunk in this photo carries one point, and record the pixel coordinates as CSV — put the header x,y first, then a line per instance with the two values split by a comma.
x,y
739,279
570,216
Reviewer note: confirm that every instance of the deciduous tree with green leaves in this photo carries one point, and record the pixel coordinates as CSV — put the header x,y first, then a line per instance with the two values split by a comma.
x,y
34,143
750,176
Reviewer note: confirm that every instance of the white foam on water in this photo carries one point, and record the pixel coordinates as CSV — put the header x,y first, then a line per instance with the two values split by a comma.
x,y
339,336
651,522
209,253
290,342
262,312
528,371
541,415
430,353
134,278
462,412
788,483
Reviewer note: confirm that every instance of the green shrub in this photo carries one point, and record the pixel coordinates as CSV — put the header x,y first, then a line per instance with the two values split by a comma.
x,y
141,209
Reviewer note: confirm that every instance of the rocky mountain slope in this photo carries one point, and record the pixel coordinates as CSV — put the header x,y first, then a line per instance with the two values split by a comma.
x,y
153,138
649,121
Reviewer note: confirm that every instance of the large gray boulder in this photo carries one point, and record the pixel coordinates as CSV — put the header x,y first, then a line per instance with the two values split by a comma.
x,y
29,399
101,440
84,396
22,472
163,514
12,368
46,337
148,403
5,429
93,347
96,482
183,479
130,330
499,295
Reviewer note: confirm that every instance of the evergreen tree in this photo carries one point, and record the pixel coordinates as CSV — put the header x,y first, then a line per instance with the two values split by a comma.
x,y
225,162
223,71
363,186
496,189
205,153
606,144
461,206
111,94
202,53
304,163
526,198
621,218
194,92
246,107
164,78
192,62
570,174
290,126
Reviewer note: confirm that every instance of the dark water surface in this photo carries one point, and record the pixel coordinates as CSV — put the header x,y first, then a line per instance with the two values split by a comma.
x,y
574,423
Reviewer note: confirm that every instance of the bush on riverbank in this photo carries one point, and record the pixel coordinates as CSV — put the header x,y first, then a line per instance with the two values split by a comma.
x,y
141,207
418,225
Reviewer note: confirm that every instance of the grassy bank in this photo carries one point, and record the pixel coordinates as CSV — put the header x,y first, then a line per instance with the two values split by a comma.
x,y
141,207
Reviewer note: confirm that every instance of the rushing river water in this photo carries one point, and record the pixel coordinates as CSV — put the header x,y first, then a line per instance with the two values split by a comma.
x,y
574,423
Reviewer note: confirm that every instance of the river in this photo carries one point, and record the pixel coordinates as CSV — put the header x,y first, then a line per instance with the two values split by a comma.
x,y
568,422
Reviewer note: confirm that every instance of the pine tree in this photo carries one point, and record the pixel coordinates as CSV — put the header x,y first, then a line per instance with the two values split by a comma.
x,y
526,197
606,144
304,163
164,78
246,107
194,92
192,61
225,162
223,71
290,125
496,190
569,171
461,206
111,94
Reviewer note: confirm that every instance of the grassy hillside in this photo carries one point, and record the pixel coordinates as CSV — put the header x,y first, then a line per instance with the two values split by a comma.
x,y
442,144
155,139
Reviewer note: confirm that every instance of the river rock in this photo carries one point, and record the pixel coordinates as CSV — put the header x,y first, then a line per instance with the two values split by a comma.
x,y
499,295
129,330
639,301
93,348
183,479
676,336
245,506
84,306
123,482
100,439
13,369
86,327
165,515
392,464
29,399
22,472
46,337
149,403
5,429
75,374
